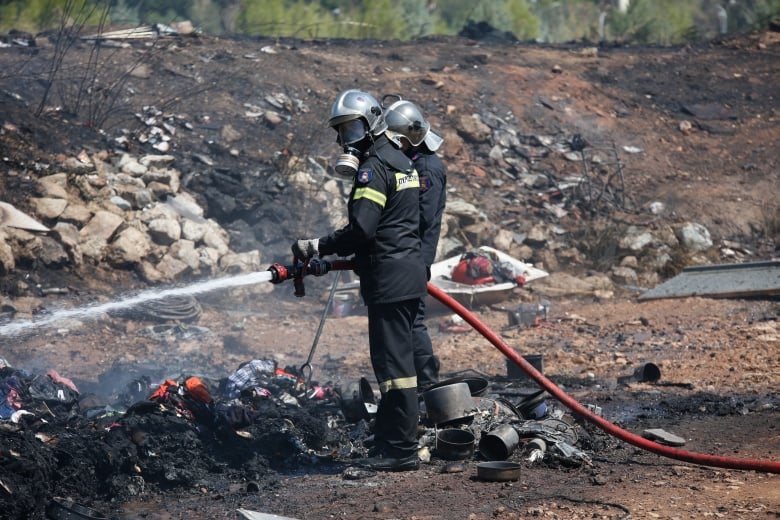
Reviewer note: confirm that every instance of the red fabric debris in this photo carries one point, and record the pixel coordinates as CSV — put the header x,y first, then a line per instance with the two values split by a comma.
x,y
473,271
54,376
197,389
162,391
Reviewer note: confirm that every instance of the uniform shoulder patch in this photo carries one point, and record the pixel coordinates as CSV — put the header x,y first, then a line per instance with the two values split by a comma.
x,y
425,183
365,175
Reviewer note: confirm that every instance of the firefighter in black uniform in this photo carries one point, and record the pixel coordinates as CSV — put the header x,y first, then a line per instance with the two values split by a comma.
x,y
383,232
408,129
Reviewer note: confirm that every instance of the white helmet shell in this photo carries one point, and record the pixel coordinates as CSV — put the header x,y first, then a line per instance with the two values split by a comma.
x,y
404,119
354,104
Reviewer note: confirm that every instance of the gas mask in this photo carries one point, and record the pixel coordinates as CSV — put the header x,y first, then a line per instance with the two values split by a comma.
x,y
352,137
348,162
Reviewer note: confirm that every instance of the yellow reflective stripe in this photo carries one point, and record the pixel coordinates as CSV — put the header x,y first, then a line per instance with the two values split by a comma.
x,y
370,194
402,383
406,180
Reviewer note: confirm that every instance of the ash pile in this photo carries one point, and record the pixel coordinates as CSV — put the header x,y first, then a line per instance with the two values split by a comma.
x,y
57,439
157,435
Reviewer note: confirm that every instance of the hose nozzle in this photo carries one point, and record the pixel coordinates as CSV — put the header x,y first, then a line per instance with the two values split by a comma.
x,y
279,273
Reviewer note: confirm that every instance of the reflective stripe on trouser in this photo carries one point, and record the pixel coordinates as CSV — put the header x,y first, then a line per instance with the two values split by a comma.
x,y
392,357
425,363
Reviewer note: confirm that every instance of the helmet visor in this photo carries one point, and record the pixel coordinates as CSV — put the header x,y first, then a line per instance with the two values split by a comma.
x,y
433,140
352,131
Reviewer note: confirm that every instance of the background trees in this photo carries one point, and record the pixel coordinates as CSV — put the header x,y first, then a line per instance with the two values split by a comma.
x,y
553,21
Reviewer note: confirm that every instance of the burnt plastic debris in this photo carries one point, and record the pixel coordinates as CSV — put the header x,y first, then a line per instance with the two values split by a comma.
x,y
529,315
646,373
63,509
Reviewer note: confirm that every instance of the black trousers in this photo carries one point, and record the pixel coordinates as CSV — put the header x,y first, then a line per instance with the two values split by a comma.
x,y
425,362
392,358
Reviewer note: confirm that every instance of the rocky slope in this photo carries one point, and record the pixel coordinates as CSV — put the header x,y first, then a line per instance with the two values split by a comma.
x,y
573,158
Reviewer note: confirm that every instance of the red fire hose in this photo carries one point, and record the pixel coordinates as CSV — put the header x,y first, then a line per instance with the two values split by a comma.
x,y
574,406
298,270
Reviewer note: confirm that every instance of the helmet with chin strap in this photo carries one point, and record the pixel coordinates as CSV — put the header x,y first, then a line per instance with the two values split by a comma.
x,y
404,119
356,104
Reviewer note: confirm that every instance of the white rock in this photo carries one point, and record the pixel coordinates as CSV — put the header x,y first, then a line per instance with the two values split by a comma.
x,y
130,165
240,262
192,230
53,186
209,259
636,239
164,231
171,268
184,250
95,235
130,246
76,214
503,240
185,205
694,237
150,159
7,260
49,208
68,235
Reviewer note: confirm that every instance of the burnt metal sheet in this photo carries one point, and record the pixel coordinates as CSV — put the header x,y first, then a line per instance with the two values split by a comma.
x,y
721,281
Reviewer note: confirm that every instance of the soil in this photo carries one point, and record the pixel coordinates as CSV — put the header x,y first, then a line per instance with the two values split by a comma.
x,y
719,358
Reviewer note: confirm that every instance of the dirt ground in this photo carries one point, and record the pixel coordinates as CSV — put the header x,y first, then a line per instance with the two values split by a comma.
x,y
718,390
719,358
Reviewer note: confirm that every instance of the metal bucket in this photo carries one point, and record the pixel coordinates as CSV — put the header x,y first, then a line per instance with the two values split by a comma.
x,y
448,403
499,443
454,444
342,304
515,372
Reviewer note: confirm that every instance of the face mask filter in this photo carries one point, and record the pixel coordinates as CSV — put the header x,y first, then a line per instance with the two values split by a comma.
x,y
348,162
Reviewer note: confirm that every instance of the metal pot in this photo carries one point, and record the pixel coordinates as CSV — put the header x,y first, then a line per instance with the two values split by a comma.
x,y
454,444
498,471
499,444
448,403
478,386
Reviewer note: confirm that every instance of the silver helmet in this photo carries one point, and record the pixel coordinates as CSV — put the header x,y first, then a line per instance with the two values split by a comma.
x,y
404,119
356,104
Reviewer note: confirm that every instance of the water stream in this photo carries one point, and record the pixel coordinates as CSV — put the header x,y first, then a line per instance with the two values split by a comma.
x,y
18,327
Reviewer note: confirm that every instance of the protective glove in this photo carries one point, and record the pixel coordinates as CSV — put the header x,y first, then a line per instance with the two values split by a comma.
x,y
318,267
303,249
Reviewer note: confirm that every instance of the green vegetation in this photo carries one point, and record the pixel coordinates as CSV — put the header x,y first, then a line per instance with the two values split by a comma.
x,y
554,21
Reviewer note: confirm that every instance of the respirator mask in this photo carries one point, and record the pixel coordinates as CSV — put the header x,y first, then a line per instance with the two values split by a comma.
x,y
351,137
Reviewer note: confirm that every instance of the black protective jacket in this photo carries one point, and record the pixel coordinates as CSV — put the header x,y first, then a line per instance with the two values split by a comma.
x,y
383,231
433,196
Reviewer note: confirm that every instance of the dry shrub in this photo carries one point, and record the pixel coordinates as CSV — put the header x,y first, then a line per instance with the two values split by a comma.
x,y
600,242
770,220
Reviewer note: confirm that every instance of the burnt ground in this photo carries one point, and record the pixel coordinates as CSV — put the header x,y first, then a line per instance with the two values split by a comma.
x,y
718,358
